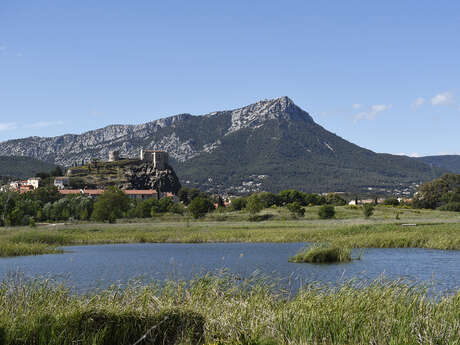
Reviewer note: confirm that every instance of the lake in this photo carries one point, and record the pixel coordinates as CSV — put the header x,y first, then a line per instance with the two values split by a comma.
x,y
99,266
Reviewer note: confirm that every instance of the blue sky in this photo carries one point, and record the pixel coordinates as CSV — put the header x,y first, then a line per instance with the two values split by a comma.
x,y
382,74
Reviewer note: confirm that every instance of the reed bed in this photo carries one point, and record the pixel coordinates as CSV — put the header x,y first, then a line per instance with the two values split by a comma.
x,y
322,253
434,232
220,310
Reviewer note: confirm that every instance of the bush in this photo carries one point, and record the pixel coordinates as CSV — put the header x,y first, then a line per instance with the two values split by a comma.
x,y
254,205
368,210
335,199
296,209
451,206
110,205
238,204
199,206
326,212
391,202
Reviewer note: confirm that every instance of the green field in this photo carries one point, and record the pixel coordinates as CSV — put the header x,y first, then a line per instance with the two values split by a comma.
x,y
433,229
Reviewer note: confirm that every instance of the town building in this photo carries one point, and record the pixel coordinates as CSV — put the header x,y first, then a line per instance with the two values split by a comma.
x,y
61,182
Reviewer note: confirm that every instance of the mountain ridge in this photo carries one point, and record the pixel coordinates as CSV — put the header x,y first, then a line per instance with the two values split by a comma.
x,y
224,150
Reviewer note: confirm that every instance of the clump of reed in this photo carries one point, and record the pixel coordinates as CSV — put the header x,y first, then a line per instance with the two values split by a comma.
x,y
220,310
322,253
22,249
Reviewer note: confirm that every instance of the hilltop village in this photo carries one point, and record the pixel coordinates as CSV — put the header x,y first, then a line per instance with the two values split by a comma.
x,y
148,175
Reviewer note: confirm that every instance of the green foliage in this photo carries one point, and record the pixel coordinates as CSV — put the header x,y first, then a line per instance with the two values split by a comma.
x,y
335,199
238,204
268,199
23,167
326,212
254,204
391,201
438,192
199,206
110,205
451,206
186,195
368,210
323,253
296,209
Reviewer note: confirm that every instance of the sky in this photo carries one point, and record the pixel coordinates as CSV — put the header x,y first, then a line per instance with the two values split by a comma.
x,y
384,75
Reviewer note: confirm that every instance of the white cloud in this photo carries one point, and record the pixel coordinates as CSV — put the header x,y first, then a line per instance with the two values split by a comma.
x,y
372,112
418,102
8,126
442,98
356,106
43,124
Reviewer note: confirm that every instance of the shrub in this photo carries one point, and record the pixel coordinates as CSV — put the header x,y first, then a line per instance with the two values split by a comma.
x,y
199,206
391,202
110,205
368,210
326,212
296,209
451,206
238,204
254,205
322,253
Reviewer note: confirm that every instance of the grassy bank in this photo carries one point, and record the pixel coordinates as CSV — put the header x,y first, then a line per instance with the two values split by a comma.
x,y
215,310
434,229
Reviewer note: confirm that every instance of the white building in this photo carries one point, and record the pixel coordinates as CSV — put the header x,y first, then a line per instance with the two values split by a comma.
x,y
61,182
34,182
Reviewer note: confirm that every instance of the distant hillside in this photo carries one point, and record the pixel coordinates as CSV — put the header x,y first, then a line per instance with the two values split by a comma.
x,y
23,167
269,145
448,162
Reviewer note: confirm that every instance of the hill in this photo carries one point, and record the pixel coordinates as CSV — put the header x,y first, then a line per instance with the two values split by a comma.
x,y
448,162
270,145
23,167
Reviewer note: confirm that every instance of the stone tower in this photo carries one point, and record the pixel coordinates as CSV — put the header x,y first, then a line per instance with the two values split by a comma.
x,y
159,159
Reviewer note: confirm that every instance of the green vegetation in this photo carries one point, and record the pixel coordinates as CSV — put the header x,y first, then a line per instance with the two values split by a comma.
x,y
23,167
435,229
199,207
442,192
326,212
368,210
217,310
322,253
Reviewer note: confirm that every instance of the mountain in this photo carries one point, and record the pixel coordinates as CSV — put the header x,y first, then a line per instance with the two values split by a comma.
x,y
270,145
23,167
448,162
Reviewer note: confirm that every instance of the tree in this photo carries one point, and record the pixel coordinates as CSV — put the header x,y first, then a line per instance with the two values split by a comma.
x,y
254,205
368,210
326,212
199,206
110,205
296,209
238,204
335,199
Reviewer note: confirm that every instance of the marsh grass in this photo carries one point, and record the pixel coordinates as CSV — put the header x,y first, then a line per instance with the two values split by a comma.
x,y
219,310
322,253
434,230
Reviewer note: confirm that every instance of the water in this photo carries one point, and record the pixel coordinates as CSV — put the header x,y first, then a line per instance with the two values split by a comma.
x,y
99,266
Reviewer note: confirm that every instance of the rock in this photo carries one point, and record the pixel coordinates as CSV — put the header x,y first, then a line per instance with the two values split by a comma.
x,y
145,176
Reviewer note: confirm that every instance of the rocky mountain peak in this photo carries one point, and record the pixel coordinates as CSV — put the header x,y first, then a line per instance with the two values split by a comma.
x,y
254,115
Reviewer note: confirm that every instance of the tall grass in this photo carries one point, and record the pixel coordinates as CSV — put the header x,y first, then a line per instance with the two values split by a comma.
x,y
217,310
436,233
322,253
22,249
